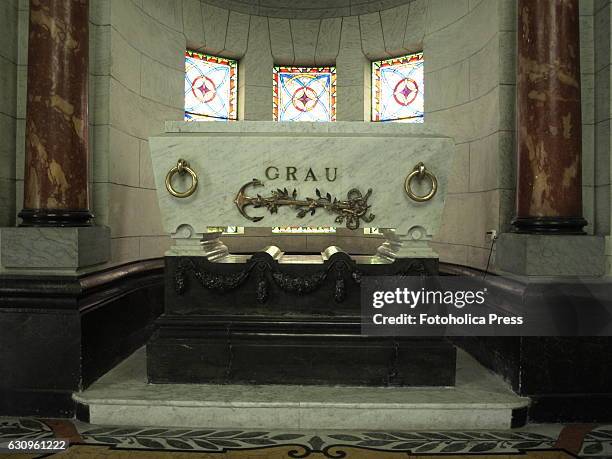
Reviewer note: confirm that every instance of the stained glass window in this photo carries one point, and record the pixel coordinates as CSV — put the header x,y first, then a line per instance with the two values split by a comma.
x,y
304,94
210,87
397,89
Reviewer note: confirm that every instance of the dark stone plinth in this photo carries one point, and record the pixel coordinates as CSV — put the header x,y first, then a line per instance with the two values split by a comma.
x,y
264,322
55,217
61,333
549,225
275,350
567,378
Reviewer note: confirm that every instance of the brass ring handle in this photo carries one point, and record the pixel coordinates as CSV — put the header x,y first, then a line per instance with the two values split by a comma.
x,y
421,172
181,168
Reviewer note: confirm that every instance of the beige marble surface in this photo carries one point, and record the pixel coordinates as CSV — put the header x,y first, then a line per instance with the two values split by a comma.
x,y
65,249
480,399
551,255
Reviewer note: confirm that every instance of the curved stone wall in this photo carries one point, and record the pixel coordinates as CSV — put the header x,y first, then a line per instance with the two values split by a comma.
x,y
313,9
470,91
137,84
469,53
468,48
8,109
602,119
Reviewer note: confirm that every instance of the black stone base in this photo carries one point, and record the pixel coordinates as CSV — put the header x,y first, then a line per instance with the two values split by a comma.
x,y
549,225
55,217
59,334
277,350
265,322
566,378
41,403
595,408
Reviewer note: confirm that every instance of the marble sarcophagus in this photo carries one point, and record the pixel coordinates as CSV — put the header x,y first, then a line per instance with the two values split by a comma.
x,y
276,318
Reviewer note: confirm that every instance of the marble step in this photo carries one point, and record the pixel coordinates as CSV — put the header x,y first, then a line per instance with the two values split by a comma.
x,y
480,400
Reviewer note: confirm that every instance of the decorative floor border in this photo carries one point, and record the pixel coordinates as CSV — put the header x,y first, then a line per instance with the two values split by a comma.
x,y
593,441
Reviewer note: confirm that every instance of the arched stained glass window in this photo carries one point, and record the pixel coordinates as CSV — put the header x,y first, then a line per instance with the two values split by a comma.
x,y
210,87
304,94
397,89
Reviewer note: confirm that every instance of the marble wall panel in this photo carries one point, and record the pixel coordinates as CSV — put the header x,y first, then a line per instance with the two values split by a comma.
x,y
125,248
328,44
258,61
442,13
448,86
281,44
99,11
7,202
149,36
125,61
459,178
304,34
193,24
215,25
137,115
9,44
162,84
415,26
394,27
372,38
237,35
451,253
123,164
588,155
133,212
7,146
168,12
8,31
146,179
99,162
151,246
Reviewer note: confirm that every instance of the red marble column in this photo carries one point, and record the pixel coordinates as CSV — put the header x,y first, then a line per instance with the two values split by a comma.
x,y
549,123
56,180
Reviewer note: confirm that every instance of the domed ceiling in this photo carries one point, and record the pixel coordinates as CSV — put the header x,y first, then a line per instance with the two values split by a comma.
x,y
306,9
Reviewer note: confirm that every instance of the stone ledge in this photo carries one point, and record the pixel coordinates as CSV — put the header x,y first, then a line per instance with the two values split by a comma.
x,y
479,400
54,248
551,255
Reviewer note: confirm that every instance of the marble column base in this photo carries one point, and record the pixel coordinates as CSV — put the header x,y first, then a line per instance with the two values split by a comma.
x,y
54,248
551,255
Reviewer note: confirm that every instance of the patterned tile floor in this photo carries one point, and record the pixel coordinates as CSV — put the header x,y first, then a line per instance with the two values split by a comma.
x,y
533,441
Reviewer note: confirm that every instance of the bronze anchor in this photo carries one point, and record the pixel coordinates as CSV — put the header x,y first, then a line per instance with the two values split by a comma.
x,y
354,209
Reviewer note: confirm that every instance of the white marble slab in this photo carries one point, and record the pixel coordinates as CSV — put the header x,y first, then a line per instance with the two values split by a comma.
x,y
363,155
479,400
63,249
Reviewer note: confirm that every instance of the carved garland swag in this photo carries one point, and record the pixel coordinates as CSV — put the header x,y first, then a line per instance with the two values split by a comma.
x,y
341,269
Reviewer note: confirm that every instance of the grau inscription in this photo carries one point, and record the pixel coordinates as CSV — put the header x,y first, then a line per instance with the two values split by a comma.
x,y
291,173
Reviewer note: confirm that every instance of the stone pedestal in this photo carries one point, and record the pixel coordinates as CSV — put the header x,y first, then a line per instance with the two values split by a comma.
x,y
54,248
480,400
54,234
263,319
551,255
551,240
